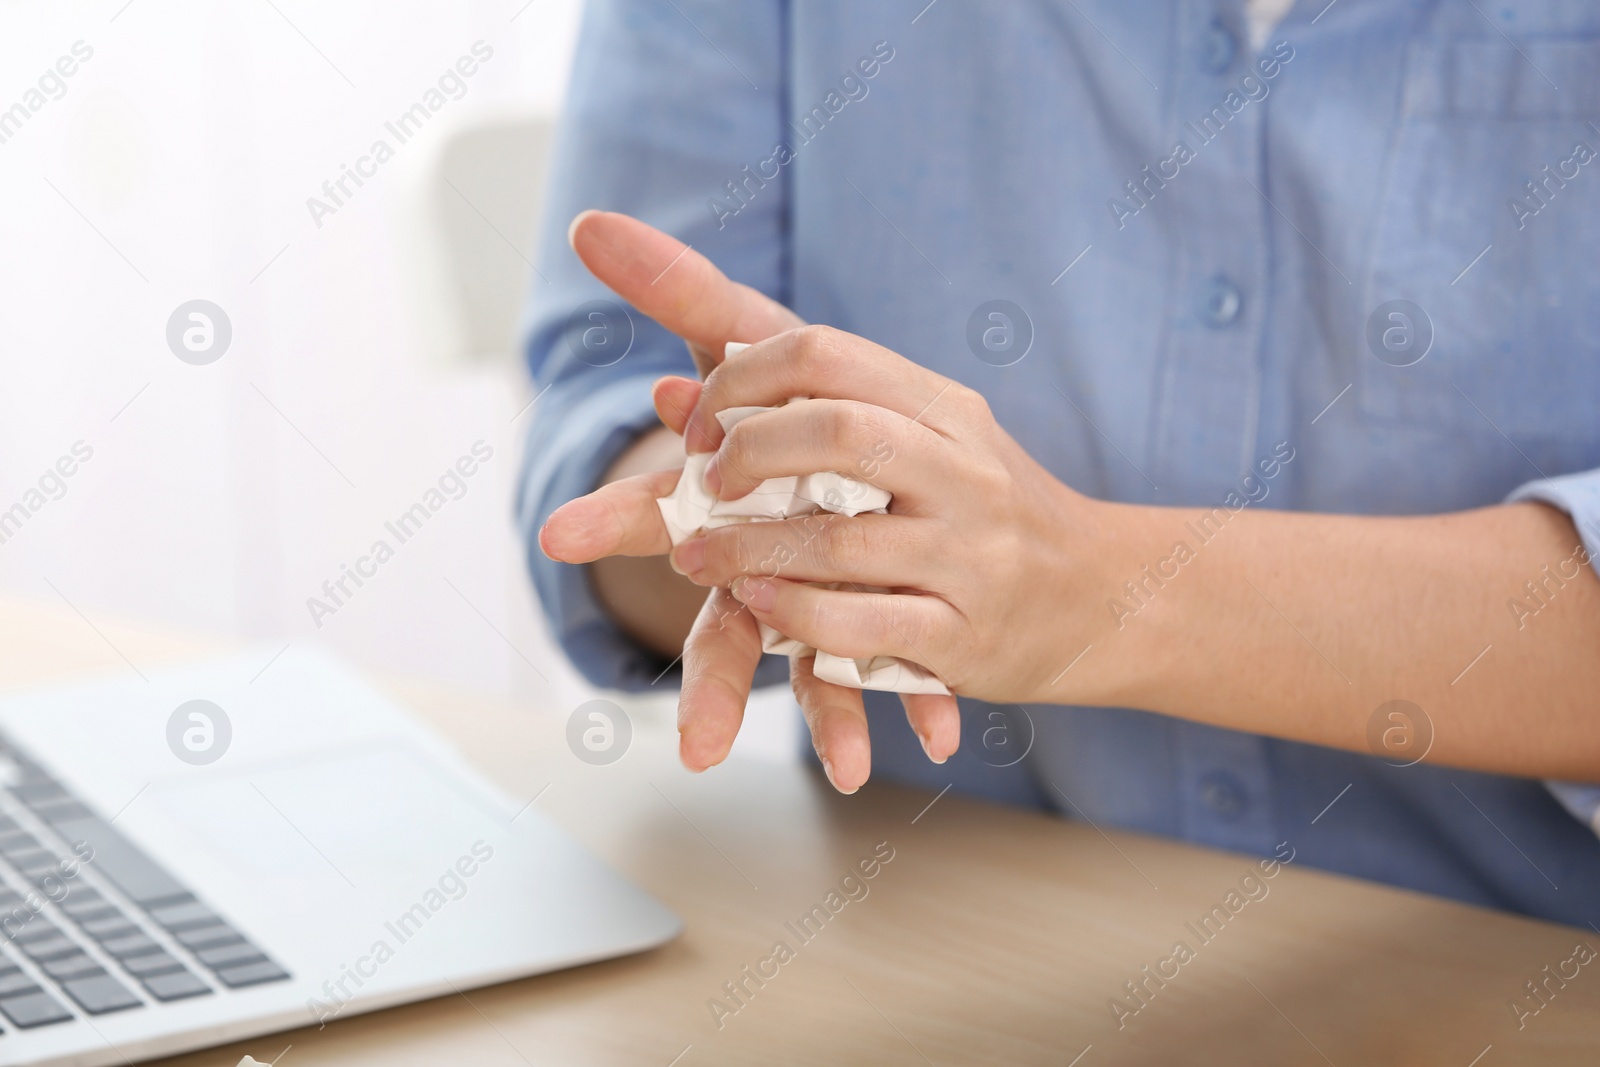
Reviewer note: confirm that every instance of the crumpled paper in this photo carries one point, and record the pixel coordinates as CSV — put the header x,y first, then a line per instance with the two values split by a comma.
x,y
690,509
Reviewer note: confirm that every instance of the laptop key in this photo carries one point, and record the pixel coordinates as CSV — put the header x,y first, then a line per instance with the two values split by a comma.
x,y
154,963
252,974
40,873
40,792
21,841
50,948
175,986
230,955
133,945
62,810
80,899
98,995
114,925
100,909
206,936
14,981
33,1009
185,916
31,928
79,966
137,875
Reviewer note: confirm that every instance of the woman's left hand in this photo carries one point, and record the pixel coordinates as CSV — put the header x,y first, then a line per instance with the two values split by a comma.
x,y
985,553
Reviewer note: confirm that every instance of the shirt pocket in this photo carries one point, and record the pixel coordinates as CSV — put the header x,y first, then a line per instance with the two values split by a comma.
x,y
1488,223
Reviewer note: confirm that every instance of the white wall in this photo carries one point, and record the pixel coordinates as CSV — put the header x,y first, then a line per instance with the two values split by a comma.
x,y
189,142
176,164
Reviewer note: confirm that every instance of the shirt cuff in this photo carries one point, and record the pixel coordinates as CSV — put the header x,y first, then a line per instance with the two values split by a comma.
x,y
1579,496
566,456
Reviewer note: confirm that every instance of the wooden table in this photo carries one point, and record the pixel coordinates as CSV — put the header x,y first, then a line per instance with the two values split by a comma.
x,y
991,936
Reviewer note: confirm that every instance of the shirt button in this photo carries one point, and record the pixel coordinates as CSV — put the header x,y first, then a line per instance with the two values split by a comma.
x,y
1222,793
1220,48
1220,302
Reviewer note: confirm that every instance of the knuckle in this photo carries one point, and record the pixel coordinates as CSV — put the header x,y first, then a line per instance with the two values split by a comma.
x,y
872,427
998,480
776,563
843,425
846,543
904,627
768,560
819,616
712,388
717,614
737,451
725,552
970,402
816,348
712,380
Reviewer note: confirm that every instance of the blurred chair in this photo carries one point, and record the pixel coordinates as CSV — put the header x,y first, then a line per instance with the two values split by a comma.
x,y
478,214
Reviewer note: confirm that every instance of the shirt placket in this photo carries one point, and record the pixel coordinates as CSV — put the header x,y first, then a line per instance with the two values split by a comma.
x,y
1209,386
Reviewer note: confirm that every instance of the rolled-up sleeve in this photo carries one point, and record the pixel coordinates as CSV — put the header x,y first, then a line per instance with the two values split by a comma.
x,y
669,101
1579,496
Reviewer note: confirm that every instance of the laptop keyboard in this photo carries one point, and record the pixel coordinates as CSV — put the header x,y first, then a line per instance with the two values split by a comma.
x,y
82,949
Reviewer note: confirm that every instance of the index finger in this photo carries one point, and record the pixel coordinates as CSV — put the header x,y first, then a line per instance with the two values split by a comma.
x,y
819,362
672,283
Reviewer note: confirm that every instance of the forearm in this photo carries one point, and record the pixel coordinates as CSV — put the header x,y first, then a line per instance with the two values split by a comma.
x,y
649,601
1300,626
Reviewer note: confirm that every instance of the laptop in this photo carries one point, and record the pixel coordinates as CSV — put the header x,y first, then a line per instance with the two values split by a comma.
x,y
212,852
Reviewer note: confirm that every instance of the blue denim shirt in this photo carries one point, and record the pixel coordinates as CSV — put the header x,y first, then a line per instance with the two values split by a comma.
x,y
1168,261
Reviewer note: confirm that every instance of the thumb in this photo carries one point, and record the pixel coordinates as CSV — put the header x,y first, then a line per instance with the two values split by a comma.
x,y
675,399
675,285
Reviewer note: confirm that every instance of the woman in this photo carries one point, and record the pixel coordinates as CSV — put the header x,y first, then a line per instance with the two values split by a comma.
x,y
1234,373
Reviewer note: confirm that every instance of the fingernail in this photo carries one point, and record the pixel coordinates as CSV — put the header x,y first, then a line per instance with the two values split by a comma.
x,y
564,530
926,747
827,768
757,594
572,227
713,476
689,558
683,752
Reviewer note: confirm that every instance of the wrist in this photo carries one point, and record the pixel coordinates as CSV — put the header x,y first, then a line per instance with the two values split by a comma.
x,y
1118,583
